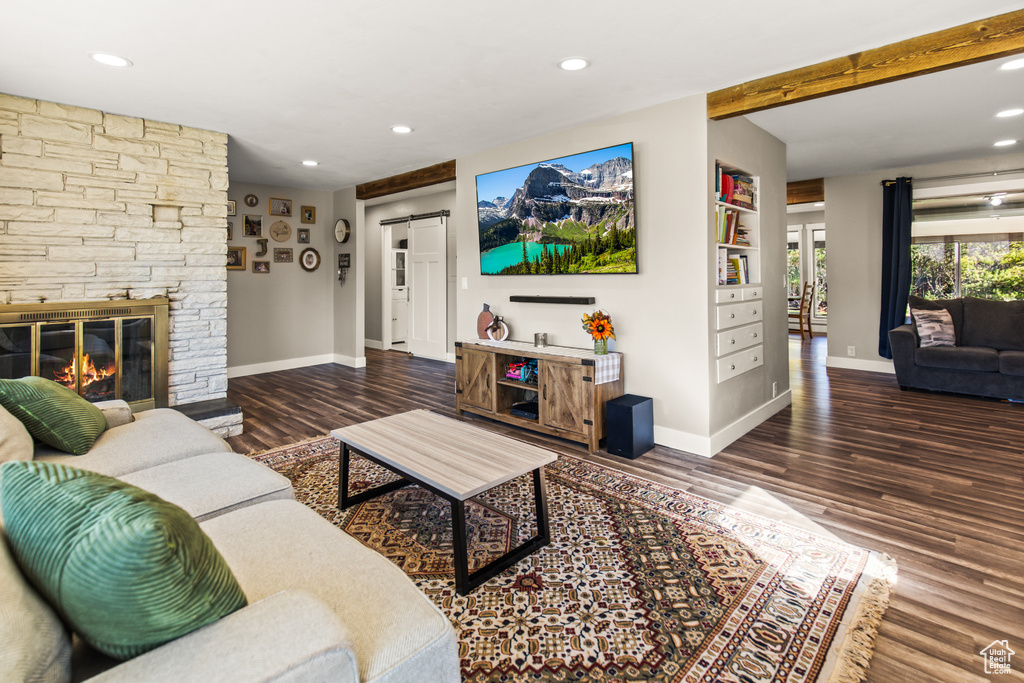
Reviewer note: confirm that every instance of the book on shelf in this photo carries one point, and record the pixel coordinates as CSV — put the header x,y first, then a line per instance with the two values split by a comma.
x,y
734,188
723,266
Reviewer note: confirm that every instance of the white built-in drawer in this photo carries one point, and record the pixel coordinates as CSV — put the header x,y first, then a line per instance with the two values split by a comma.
x,y
741,362
727,296
738,338
744,313
750,293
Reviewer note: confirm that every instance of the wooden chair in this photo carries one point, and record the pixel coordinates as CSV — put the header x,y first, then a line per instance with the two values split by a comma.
x,y
804,313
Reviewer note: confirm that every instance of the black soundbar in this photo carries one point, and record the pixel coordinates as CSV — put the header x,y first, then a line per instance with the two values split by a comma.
x,y
583,300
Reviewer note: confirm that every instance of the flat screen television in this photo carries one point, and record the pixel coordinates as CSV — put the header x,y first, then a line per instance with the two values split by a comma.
x,y
570,215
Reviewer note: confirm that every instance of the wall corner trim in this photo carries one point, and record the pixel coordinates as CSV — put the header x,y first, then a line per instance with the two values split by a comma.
x,y
274,366
721,439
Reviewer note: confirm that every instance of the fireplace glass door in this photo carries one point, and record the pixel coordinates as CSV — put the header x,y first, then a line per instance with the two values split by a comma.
x,y
99,359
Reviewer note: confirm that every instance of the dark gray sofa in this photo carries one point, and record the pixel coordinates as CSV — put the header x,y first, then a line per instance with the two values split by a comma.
x,y
988,359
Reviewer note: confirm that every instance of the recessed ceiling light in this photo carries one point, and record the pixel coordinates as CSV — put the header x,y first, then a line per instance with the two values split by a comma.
x,y
110,60
310,162
401,129
574,64
819,204
1015,64
1010,112
1004,143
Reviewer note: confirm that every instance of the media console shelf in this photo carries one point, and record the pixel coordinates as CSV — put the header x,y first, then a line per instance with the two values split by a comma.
x,y
572,387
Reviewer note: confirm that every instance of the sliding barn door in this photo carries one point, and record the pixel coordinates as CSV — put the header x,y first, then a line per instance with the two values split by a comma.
x,y
428,298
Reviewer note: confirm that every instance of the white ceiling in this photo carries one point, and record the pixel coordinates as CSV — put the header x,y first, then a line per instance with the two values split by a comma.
x,y
313,79
945,116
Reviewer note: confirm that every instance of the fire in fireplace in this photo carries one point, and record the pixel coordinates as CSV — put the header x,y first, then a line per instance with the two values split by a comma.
x,y
102,350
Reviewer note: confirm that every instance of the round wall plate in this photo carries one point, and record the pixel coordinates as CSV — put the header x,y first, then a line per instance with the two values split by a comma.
x,y
280,231
309,259
251,200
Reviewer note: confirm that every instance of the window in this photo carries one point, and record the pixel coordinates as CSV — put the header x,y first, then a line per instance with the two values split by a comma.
x,y
967,245
807,240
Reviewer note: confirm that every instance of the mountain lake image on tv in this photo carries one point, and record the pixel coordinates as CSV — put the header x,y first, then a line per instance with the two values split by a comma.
x,y
568,215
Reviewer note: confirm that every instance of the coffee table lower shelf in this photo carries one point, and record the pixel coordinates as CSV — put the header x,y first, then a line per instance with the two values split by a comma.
x,y
465,581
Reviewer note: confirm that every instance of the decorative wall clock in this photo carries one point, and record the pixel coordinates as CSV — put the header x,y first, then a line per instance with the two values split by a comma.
x,y
309,259
341,230
280,231
251,200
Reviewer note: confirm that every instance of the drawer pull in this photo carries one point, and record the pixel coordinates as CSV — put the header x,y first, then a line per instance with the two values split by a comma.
x,y
755,359
732,367
732,341
755,311
732,315
733,295
755,335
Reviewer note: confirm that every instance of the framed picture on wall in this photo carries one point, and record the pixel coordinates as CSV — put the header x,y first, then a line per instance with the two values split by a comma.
x,y
236,258
308,214
303,235
280,207
261,266
283,255
231,207
252,226
231,230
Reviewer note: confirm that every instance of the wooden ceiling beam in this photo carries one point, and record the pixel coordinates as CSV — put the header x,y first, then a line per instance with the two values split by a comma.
x,y
977,41
421,177
803,191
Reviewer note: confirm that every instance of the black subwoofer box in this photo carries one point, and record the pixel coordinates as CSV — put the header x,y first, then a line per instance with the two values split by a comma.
x,y
630,424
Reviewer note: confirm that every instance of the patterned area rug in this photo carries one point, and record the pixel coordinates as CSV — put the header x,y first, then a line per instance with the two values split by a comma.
x,y
641,582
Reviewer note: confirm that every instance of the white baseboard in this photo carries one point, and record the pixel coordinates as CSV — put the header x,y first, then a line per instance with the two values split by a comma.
x,y
721,439
373,344
860,364
682,441
292,363
709,446
349,361
274,366
450,357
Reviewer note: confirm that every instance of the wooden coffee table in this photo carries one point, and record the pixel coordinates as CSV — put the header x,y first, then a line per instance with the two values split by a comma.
x,y
456,461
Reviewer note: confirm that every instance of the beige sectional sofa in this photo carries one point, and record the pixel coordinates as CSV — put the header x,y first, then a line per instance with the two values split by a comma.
x,y
321,606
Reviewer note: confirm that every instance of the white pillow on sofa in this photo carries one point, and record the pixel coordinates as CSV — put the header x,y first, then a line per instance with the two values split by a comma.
x,y
935,328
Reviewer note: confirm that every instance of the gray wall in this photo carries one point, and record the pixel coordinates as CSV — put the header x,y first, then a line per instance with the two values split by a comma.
x,y
349,299
277,319
661,314
398,206
740,143
853,214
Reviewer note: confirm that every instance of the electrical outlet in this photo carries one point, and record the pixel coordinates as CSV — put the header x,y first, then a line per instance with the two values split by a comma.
x,y
775,389
851,351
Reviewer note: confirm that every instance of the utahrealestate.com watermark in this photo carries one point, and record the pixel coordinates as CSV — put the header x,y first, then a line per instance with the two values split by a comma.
x,y
997,657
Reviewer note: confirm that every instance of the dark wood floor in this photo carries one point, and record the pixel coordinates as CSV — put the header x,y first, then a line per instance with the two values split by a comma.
x,y
936,481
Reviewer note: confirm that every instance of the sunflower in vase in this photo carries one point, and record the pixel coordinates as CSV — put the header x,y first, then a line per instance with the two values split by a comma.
x,y
599,326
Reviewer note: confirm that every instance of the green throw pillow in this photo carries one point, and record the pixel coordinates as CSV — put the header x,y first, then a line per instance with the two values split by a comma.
x,y
53,413
125,569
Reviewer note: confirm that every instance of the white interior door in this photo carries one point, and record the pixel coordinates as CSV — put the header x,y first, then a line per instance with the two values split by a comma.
x,y
428,300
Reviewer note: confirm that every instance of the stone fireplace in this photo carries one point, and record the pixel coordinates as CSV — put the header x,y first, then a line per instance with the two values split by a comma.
x,y
112,210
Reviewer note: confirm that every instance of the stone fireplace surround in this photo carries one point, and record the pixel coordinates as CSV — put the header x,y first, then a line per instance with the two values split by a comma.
x,y
100,207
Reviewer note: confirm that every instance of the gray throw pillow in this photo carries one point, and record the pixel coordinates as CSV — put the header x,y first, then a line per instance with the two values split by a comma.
x,y
935,328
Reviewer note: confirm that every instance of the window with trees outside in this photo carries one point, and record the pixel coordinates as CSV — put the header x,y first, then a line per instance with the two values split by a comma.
x,y
807,240
969,245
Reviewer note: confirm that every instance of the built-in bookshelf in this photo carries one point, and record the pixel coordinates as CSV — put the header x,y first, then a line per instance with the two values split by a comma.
x,y
739,299
736,227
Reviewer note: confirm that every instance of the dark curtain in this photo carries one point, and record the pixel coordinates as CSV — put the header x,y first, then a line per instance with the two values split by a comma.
x,y
896,217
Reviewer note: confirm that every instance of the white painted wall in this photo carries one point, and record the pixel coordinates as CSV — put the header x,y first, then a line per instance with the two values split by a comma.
x,y
283,318
853,214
